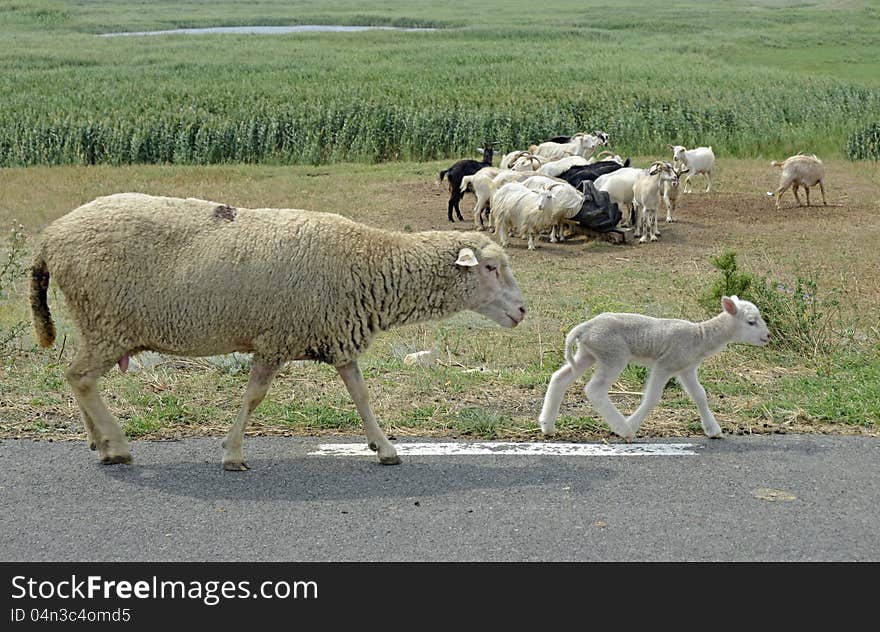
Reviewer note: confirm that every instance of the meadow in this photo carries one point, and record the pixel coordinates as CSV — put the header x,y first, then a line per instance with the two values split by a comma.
x,y
761,78
361,124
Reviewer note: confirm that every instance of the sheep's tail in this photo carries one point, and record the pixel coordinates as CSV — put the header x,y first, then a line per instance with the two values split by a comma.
x,y
573,338
443,174
43,324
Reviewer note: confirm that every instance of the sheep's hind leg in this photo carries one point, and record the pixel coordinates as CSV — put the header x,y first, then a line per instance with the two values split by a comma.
x,y
822,190
378,442
653,391
104,432
597,392
559,383
691,384
262,374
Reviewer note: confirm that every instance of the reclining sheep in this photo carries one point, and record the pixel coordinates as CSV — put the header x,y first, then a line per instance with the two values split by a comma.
x,y
196,278
668,347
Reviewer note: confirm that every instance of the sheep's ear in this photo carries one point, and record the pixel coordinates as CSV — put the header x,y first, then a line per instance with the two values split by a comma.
x,y
671,147
729,305
466,258
655,169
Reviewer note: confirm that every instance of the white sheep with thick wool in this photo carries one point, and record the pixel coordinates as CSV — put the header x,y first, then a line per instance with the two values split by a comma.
x,y
196,278
668,347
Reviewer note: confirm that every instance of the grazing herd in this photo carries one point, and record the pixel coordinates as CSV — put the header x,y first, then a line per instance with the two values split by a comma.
x,y
521,195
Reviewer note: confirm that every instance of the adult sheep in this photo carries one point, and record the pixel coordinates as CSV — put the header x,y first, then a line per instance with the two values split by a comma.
x,y
196,278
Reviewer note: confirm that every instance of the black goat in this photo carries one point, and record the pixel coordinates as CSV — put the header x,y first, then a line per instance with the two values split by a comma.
x,y
458,171
576,175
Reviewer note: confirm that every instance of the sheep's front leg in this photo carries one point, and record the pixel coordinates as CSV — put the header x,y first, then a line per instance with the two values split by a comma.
x,y
709,179
691,384
657,379
376,439
261,377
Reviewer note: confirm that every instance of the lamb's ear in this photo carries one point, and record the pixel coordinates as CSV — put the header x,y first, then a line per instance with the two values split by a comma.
x,y
729,305
466,258
654,170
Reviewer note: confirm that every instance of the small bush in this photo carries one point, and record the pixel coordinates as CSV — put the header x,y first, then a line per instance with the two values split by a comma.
x,y
11,270
798,317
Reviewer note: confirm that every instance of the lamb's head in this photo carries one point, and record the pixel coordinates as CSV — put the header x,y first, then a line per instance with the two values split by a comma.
x,y
492,290
751,328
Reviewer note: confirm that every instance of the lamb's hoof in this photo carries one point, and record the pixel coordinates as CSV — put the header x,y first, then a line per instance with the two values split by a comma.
x,y
235,466
373,446
390,460
115,459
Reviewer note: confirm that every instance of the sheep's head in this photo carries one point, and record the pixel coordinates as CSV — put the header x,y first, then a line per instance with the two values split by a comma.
x,y
751,327
494,292
665,171
603,138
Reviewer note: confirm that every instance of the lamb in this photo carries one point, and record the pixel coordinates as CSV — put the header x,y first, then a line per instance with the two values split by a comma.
x,y
196,278
459,170
800,170
647,191
516,208
698,160
668,347
669,192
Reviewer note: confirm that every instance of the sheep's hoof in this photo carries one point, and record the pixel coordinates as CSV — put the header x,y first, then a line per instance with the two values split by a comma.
x,y
93,446
235,466
389,460
115,459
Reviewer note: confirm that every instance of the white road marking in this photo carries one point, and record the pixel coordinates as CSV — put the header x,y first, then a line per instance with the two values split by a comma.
x,y
513,449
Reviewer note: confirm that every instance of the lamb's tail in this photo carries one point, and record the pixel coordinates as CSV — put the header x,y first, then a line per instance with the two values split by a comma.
x,y
573,338
443,174
43,324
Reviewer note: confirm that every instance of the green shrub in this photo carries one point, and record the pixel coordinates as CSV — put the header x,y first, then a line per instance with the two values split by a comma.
x,y
864,144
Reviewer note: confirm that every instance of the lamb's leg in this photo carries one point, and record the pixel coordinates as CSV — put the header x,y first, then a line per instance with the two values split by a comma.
x,y
376,439
691,384
822,189
262,374
531,241
687,183
709,178
597,392
807,189
653,391
85,369
559,383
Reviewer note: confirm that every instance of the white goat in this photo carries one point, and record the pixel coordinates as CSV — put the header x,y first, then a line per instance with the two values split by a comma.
x,y
668,347
619,186
605,155
522,160
698,160
581,144
516,207
669,190
555,167
647,191
800,170
481,183
567,201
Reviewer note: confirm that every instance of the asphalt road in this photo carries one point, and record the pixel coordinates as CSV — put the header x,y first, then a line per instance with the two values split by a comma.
x,y
57,503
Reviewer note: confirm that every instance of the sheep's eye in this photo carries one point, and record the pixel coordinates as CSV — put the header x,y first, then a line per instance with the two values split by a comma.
x,y
753,322
491,268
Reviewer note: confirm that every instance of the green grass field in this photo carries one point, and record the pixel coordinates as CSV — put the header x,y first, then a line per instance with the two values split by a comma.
x,y
753,79
757,80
